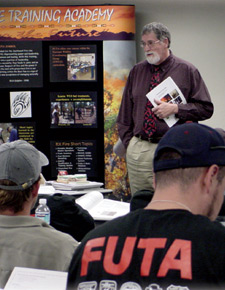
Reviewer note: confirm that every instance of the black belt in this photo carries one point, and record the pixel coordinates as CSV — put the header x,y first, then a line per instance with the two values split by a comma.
x,y
150,139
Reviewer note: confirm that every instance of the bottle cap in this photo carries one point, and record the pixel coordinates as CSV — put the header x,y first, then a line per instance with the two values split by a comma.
x,y
42,201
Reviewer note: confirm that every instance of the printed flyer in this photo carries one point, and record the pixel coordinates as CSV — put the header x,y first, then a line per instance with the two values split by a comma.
x,y
20,64
75,157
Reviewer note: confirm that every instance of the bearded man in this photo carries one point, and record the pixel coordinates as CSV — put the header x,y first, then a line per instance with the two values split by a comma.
x,y
141,126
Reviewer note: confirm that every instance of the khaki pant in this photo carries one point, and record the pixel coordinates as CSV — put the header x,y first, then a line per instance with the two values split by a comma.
x,y
139,159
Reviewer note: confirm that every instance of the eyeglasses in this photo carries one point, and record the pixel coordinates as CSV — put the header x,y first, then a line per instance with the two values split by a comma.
x,y
149,43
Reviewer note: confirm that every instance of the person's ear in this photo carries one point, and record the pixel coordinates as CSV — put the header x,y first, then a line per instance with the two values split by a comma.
x,y
166,42
210,177
35,189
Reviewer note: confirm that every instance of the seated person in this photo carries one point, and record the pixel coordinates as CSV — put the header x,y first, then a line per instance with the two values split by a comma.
x,y
26,241
141,199
67,216
174,242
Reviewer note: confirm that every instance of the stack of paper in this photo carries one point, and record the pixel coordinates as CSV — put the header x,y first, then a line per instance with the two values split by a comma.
x,y
76,185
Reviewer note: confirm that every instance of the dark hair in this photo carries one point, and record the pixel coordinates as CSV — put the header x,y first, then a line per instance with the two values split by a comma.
x,y
160,30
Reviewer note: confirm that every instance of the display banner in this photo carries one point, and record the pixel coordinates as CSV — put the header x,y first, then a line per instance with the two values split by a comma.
x,y
64,69
105,22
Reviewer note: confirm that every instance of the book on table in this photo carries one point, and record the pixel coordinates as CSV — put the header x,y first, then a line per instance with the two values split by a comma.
x,y
101,208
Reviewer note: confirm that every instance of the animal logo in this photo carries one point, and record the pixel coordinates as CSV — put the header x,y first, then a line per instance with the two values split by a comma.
x,y
21,103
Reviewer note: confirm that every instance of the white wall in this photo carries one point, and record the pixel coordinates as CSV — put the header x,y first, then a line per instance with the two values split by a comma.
x,y
198,35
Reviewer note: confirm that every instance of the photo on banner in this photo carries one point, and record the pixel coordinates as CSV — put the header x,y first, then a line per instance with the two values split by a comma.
x,y
13,131
73,109
72,63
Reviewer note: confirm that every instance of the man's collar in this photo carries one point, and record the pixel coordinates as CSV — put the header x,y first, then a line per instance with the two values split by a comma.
x,y
164,65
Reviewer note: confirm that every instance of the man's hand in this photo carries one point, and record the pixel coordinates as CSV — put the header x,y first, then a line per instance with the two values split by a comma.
x,y
164,110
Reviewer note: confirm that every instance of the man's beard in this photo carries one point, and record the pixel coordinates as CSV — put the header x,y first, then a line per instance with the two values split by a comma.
x,y
153,58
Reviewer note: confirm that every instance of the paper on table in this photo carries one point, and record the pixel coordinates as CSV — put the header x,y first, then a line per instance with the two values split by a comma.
x,y
46,189
167,91
36,279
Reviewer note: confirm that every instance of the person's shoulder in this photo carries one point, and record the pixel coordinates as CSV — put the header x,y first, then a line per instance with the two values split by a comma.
x,y
57,240
185,63
52,234
140,67
219,227
212,228
61,236
141,64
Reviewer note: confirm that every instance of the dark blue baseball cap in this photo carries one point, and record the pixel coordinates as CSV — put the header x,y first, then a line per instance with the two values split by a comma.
x,y
198,145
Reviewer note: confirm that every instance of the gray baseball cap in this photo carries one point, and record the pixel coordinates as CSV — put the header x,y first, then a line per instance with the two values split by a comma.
x,y
21,163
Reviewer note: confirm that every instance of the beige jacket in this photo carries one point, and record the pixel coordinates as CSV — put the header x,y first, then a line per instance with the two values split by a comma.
x,y
27,241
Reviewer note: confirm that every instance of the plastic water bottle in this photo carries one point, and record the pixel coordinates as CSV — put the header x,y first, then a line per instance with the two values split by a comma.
x,y
43,211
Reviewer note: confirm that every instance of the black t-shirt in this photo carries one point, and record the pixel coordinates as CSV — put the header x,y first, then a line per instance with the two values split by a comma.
x,y
151,249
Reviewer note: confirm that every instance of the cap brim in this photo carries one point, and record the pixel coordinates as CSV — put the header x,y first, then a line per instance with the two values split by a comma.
x,y
43,158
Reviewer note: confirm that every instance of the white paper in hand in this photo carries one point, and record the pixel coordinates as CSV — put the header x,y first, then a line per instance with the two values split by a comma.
x,y
167,91
36,279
